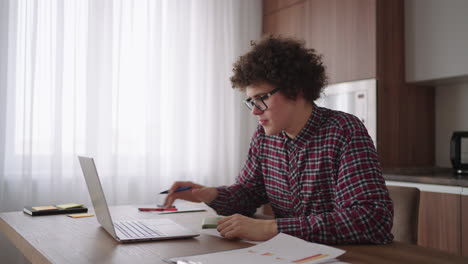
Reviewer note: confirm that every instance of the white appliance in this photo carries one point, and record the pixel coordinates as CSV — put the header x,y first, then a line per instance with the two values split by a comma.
x,y
358,98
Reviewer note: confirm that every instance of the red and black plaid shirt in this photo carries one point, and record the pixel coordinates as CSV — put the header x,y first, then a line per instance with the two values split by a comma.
x,y
324,186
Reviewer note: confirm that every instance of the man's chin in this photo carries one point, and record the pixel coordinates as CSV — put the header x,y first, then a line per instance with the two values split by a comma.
x,y
270,131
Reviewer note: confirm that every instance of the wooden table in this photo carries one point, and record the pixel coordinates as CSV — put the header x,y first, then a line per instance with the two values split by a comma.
x,y
61,239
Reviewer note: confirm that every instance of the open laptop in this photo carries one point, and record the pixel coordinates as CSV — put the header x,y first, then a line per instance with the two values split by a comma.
x,y
131,230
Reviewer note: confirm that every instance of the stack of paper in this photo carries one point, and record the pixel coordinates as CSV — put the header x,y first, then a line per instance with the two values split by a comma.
x,y
280,249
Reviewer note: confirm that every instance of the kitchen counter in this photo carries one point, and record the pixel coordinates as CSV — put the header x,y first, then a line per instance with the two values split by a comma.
x,y
439,176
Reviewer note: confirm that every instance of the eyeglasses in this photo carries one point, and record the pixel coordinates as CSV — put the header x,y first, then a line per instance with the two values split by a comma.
x,y
259,102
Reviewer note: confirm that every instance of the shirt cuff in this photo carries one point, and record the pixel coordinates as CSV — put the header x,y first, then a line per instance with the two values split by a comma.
x,y
220,204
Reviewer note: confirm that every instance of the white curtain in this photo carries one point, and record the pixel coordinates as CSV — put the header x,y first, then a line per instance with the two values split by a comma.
x,y
142,86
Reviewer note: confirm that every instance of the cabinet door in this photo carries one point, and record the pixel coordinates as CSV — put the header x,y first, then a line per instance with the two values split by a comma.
x,y
464,222
436,40
288,21
270,6
342,31
345,33
405,113
439,221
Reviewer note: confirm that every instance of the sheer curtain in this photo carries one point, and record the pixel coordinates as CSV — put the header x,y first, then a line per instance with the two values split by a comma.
x,y
141,86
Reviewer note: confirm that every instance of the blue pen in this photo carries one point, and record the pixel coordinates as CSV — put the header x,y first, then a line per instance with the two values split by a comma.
x,y
184,188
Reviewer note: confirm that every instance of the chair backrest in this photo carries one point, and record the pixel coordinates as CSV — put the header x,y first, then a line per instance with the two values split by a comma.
x,y
406,213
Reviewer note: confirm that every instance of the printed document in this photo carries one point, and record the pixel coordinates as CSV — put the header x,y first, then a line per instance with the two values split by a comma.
x,y
281,249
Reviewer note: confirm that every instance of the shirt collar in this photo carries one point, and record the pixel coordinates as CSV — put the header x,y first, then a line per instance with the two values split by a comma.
x,y
312,125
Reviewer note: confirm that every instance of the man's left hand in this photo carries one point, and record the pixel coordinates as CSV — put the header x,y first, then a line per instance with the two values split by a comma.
x,y
239,226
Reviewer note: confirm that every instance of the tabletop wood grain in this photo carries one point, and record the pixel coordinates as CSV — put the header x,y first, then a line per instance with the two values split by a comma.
x,y
61,239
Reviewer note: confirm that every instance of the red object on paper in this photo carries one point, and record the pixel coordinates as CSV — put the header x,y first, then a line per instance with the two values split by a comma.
x,y
157,209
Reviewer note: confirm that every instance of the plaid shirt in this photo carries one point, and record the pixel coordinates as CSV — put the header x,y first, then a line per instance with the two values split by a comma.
x,y
324,186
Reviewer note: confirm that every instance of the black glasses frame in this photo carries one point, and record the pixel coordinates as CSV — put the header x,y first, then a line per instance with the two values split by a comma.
x,y
259,102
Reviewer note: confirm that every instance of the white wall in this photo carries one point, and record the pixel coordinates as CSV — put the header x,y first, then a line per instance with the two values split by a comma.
x,y
451,102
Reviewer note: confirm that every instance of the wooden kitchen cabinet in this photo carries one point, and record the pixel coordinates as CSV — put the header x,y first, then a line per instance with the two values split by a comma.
x,y
362,39
443,214
436,41
464,222
342,31
288,21
405,112
440,221
271,6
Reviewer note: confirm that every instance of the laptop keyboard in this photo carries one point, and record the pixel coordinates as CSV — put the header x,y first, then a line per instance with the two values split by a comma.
x,y
137,229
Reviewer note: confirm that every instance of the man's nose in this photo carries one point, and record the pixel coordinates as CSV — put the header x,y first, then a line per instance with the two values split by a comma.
x,y
256,111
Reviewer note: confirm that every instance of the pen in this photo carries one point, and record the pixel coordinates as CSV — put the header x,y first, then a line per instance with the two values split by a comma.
x,y
157,209
184,188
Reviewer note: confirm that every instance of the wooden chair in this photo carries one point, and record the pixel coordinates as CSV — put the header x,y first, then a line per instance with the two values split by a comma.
x,y
406,212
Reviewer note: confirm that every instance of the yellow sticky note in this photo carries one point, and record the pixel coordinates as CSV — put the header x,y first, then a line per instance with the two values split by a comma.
x,y
42,208
80,215
69,205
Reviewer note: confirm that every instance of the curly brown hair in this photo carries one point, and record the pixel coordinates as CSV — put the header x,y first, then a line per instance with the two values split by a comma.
x,y
282,62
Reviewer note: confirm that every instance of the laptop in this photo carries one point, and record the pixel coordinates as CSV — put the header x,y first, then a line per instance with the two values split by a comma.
x,y
130,230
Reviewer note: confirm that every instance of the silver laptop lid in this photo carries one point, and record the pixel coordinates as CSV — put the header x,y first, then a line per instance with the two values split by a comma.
x,y
97,194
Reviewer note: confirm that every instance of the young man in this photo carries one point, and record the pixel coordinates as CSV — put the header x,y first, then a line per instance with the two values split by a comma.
x,y
318,168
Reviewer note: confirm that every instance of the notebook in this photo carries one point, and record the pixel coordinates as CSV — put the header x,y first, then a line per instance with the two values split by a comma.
x,y
132,230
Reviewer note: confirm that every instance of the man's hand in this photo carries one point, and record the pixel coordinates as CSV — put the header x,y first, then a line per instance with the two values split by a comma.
x,y
198,193
239,226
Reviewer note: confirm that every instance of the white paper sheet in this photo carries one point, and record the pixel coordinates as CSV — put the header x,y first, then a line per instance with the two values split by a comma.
x,y
279,250
214,232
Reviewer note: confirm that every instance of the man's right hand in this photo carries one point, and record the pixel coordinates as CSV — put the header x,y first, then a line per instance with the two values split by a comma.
x,y
198,193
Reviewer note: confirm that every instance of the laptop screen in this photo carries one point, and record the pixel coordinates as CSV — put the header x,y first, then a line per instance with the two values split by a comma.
x,y
97,194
